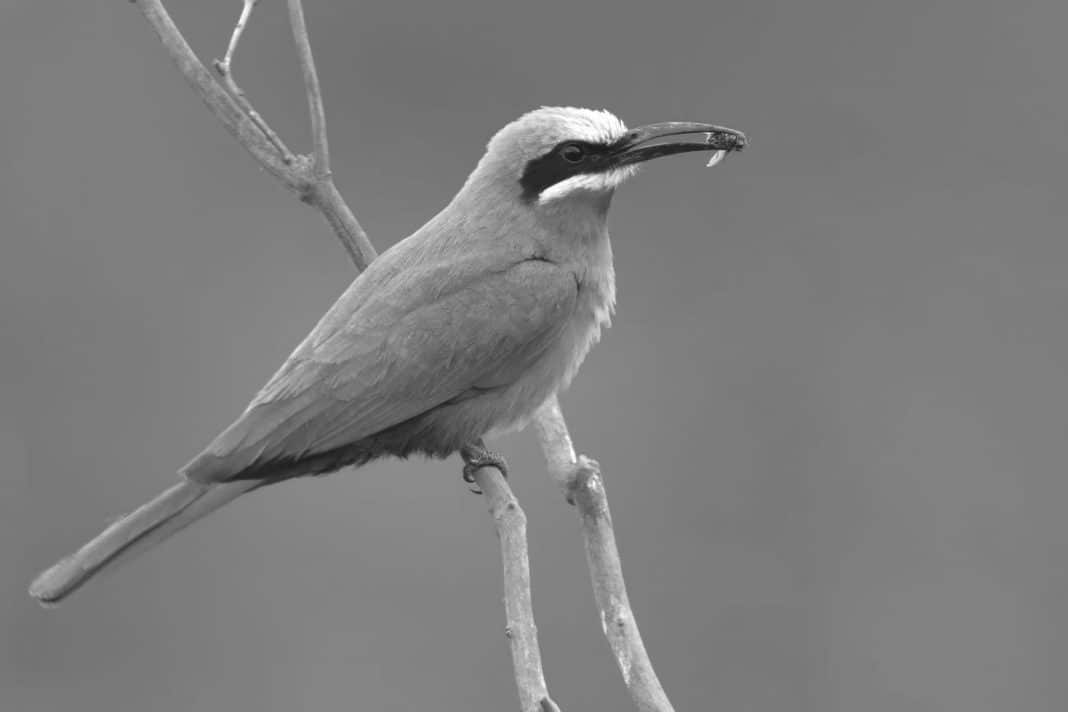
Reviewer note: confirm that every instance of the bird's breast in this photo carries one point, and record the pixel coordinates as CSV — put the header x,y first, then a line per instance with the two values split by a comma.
x,y
595,279
593,311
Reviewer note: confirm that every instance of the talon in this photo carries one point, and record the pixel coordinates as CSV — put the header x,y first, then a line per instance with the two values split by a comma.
x,y
476,456
469,477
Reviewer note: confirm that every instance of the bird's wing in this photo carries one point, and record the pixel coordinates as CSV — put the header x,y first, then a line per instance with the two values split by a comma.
x,y
425,337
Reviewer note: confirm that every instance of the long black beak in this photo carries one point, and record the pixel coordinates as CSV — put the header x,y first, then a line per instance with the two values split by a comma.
x,y
646,142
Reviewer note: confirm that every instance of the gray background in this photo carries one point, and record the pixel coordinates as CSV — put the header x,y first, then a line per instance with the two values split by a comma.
x,y
831,412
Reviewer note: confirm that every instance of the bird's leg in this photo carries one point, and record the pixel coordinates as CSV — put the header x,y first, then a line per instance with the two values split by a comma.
x,y
475,456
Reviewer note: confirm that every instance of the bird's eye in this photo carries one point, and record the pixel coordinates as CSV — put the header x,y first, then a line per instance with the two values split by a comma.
x,y
573,153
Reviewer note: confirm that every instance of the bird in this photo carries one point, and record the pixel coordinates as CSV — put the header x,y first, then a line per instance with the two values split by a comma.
x,y
458,332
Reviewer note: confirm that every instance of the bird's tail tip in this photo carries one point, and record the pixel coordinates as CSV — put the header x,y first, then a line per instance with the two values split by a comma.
x,y
48,588
168,513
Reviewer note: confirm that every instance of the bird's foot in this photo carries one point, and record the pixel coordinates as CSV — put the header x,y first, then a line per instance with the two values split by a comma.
x,y
476,456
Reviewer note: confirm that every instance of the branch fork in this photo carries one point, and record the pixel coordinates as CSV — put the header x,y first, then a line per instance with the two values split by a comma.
x,y
309,177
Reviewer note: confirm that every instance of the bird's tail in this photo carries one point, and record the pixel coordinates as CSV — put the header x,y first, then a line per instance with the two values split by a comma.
x,y
138,531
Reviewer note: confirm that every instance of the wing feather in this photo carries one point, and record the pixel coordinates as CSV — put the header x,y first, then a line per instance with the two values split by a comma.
x,y
413,344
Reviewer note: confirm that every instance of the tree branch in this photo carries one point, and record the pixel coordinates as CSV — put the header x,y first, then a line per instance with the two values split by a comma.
x,y
224,68
522,633
300,175
327,198
225,108
322,193
551,430
239,28
580,478
321,151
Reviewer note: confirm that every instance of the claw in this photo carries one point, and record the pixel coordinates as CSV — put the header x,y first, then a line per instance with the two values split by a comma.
x,y
476,456
469,477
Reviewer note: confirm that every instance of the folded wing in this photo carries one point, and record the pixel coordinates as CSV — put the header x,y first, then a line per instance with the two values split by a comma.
x,y
428,335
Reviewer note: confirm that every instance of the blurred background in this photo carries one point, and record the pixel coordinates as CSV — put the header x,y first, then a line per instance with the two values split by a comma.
x,y
831,412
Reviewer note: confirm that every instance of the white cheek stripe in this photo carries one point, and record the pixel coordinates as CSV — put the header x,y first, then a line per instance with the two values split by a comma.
x,y
591,182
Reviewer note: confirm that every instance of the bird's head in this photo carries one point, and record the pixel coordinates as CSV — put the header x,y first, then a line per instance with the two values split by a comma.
x,y
555,155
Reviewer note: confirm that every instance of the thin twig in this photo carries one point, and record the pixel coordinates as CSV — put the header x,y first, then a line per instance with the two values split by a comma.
x,y
298,176
238,93
324,194
224,68
239,28
225,108
522,633
320,150
581,479
327,198
551,429
606,574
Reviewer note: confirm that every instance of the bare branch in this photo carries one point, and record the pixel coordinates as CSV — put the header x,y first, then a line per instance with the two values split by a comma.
x,y
224,68
522,633
324,194
606,574
551,429
228,111
239,28
300,175
581,479
320,152
238,93
328,200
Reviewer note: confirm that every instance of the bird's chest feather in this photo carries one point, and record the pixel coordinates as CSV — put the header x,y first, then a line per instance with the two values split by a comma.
x,y
593,310
595,279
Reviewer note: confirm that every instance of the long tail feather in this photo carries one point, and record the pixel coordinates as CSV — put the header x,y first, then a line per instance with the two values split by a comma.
x,y
168,513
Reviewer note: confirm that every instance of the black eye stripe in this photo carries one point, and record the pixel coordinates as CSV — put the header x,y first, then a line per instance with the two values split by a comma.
x,y
560,163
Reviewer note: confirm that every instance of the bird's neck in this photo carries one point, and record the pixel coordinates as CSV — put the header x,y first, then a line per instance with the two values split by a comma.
x,y
581,217
579,241
571,232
